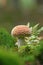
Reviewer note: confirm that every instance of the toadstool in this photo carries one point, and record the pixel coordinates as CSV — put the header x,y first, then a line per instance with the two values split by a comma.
x,y
21,31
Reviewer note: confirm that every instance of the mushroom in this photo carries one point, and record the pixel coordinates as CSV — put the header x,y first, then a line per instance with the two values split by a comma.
x,y
21,31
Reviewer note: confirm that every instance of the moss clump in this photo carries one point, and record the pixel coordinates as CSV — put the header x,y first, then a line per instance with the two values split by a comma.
x,y
6,39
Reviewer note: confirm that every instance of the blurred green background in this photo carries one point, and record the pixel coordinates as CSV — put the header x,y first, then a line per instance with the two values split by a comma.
x,y
15,12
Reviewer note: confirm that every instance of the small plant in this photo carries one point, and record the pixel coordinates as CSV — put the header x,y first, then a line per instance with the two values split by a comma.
x,y
34,38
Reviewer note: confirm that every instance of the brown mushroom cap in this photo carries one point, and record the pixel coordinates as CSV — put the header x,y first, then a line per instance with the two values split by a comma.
x,y
21,30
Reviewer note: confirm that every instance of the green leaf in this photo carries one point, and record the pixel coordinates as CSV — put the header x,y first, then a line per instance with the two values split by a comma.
x,y
41,29
28,24
35,28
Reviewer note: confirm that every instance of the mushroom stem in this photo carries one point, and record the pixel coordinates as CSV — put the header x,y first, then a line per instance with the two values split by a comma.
x,y
21,42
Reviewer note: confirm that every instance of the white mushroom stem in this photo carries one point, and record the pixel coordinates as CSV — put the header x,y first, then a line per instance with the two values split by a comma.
x,y
20,42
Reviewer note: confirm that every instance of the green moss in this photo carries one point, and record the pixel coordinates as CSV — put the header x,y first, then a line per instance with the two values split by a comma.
x,y
9,58
6,39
